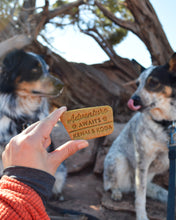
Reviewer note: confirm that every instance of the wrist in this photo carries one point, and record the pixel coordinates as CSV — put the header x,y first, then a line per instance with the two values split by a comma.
x,y
41,181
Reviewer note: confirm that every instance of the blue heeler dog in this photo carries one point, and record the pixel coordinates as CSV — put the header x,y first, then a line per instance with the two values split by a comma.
x,y
140,151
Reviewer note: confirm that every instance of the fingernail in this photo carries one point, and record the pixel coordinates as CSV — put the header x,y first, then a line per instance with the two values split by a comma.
x,y
83,144
63,108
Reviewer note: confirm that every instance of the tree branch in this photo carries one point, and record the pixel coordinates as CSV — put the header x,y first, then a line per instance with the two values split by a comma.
x,y
37,21
122,23
42,20
64,8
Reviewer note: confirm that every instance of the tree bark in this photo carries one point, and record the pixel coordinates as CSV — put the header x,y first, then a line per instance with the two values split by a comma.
x,y
18,42
28,9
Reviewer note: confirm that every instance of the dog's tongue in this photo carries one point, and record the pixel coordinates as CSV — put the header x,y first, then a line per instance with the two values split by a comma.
x,y
132,106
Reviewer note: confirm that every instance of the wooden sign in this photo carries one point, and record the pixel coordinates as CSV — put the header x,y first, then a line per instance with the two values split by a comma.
x,y
88,123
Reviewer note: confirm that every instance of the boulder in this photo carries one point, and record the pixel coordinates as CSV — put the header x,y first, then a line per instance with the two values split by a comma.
x,y
103,148
79,160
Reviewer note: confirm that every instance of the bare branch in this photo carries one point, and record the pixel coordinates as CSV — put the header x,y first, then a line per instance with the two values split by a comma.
x,y
13,9
42,20
31,9
122,23
37,21
64,9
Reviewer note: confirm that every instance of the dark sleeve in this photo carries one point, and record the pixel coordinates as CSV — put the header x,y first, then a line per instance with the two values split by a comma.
x,y
41,181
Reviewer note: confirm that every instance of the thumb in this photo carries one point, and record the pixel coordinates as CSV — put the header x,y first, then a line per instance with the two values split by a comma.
x,y
65,151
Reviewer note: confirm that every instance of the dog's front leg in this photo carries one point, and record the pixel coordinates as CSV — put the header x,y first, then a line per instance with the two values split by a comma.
x,y
141,173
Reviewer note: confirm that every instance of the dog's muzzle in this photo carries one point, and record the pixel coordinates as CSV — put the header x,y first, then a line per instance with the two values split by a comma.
x,y
50,87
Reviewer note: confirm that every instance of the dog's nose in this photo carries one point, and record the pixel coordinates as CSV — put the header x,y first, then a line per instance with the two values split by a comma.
x,y
54,82
137,100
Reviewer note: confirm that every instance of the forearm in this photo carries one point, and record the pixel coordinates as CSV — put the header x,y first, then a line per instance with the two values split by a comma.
x,y
21,201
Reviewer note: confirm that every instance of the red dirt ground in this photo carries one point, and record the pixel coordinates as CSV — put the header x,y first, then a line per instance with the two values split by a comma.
x,y
84,192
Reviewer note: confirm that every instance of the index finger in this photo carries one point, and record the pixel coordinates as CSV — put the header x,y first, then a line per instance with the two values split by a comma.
x,y
45,126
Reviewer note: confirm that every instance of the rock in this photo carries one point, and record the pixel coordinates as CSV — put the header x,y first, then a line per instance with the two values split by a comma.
x,y
98,168
79,160
123,205
83,158
104,147
118,127
59,135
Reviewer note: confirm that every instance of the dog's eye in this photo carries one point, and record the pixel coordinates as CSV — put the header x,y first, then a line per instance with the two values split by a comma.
x,y
34,70
39,64
153,83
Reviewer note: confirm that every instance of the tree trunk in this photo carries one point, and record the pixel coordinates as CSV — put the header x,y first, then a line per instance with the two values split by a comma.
x,y
28,9
146,26
16,42
150,31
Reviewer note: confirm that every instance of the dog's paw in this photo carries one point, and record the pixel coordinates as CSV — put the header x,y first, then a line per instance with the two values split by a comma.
x,y
157,192
142,217
116,195
57,197
60,178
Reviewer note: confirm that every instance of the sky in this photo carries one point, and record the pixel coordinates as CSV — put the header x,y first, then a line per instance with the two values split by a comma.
x,y
77,47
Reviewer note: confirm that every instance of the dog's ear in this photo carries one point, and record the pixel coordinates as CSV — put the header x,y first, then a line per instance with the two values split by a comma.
x,y
13,59
172,63
137,66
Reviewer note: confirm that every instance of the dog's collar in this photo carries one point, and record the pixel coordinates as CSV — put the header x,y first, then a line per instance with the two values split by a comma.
x,y
22,124
163,123
25,125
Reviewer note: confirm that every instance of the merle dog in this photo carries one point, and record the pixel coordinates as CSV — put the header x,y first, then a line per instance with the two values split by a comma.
x,y
25,85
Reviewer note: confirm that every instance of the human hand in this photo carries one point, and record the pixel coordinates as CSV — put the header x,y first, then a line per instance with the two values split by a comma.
x,y
28,148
